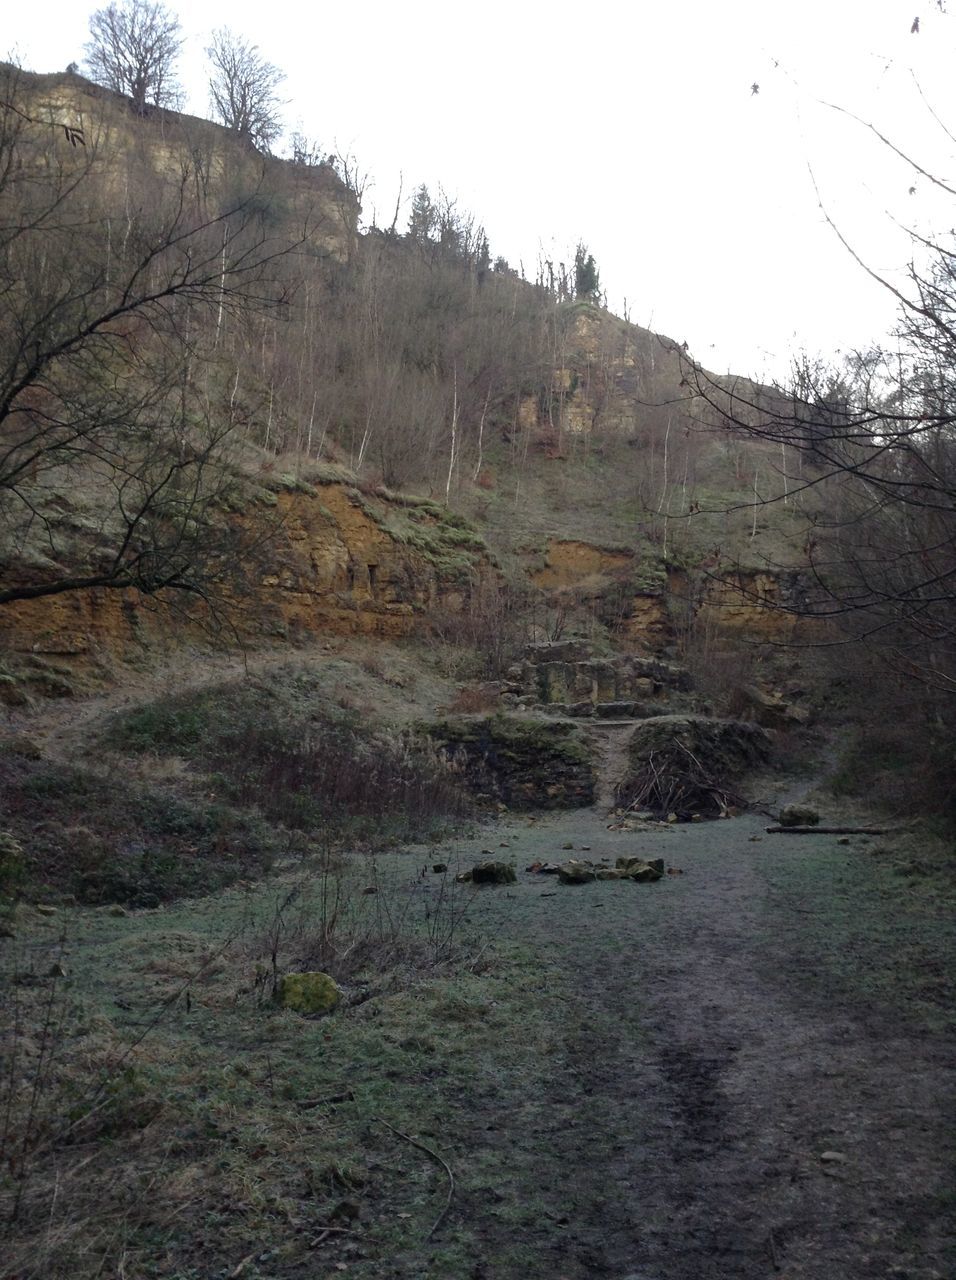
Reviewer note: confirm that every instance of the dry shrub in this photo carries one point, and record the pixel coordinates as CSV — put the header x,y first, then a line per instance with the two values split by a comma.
x,y
473,700
324,768
492,628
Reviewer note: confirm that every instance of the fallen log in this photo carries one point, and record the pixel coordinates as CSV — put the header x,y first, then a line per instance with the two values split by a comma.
x,y
829,831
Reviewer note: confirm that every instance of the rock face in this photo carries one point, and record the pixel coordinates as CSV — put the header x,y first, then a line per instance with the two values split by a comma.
x,y
308,993
646,603
625,593
528,764
165,145
569,677
336,561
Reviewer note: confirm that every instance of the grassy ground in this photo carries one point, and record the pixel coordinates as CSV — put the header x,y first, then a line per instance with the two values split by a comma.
x,y
530,1081
185,1126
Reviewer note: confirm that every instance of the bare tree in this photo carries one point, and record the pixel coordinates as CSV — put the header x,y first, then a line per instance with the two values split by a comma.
x,y
117,449
133,50
243,89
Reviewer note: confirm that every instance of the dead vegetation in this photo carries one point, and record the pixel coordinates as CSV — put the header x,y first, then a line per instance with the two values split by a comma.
x,y
690,766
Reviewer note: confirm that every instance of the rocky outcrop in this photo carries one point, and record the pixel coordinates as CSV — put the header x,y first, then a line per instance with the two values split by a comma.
x,y
331,561
568,676
525,763
128,152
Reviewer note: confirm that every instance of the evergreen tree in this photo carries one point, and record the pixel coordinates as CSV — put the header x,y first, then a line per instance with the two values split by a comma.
x,y
587,281
423,218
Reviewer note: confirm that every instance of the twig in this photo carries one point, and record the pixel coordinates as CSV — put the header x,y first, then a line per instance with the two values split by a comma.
x,y
307,1104
773,1251
438,1160
326,1232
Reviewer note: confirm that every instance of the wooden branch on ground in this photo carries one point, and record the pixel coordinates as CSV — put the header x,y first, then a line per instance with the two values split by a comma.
x,y
438,1160
829,831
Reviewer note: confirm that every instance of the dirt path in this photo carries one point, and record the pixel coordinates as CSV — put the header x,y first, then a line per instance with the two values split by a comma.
x,y
745,1084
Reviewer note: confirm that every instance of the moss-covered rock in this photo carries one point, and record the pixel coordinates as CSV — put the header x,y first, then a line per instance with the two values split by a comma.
x,y
529,764
641,870
798,815
489,873
308,993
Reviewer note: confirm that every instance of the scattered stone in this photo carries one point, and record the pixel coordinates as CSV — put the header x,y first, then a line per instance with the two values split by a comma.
x,y
491,872
832,1157
585,848
798,815
569,844
370,888
631,861
308,993
576,873
844,840
755,839
439,868
646,874
610,873
56,970
117,910
672,817
44,909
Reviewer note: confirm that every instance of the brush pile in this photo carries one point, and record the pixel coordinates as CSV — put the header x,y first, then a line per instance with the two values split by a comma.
x,y
689,766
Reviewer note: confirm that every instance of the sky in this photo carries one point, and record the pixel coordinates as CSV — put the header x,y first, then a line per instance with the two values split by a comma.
x,y
712,210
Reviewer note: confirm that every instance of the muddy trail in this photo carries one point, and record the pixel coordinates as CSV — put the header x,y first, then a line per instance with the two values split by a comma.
x,y
750,1077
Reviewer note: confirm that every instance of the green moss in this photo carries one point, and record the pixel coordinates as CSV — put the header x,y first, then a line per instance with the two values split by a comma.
x,y
286,482
308,993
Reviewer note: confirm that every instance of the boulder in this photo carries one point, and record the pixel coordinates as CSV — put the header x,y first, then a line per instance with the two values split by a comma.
x,y
798,815
574,872
644,873
308,993
491,872
642,870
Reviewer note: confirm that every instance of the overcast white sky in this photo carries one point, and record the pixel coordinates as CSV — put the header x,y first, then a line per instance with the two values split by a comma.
x,y
632,127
